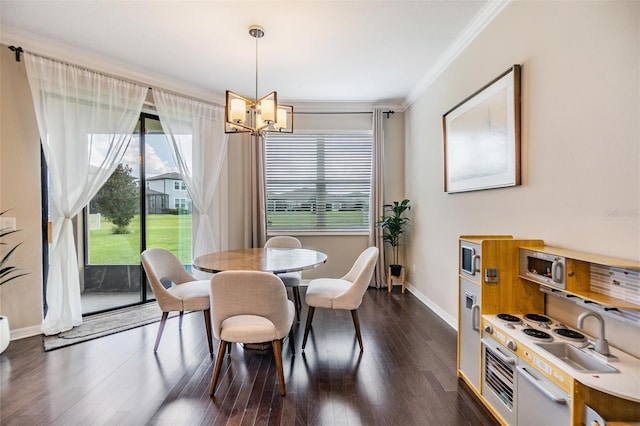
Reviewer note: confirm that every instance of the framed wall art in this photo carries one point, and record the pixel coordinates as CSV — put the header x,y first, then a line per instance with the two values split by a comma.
x,y
482,137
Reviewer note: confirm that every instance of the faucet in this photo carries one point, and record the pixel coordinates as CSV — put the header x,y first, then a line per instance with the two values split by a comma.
x,y
601,344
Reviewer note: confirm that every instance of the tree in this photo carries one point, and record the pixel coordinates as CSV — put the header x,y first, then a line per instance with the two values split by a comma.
x,y
117,199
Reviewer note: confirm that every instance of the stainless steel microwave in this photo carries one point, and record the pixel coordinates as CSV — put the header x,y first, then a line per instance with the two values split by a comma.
x,y
545,268
469,259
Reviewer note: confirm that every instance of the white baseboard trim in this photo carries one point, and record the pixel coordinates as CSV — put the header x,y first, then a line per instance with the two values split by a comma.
x,y
22,333
453,322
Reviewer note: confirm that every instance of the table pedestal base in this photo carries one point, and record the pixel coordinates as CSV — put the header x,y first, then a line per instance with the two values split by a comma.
x,y
262,348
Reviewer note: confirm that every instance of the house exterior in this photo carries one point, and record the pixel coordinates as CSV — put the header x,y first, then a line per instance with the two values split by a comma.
x,y
156,202
167,192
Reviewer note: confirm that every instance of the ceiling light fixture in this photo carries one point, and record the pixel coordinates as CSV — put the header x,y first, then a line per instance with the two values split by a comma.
x,y
257,116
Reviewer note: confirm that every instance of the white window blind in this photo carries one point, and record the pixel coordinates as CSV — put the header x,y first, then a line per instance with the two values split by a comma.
x,y
318,182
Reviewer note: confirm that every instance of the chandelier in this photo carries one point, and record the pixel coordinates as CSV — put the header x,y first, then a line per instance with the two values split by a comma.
x,y
257,116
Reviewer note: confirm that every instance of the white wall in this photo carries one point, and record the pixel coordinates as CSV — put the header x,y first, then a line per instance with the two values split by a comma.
x,y
580,140
21,299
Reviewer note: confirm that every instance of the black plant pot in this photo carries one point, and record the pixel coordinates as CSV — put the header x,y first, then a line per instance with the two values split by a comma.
x,y
395,270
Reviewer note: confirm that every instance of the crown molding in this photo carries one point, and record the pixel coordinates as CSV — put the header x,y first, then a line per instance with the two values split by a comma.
x,y
471,31
344,107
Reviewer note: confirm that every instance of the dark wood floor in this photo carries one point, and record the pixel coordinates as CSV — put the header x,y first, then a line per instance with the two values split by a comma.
x,y
406,376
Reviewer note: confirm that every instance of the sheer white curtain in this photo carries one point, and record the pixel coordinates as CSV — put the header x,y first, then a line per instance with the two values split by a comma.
x,y
86,121
196,132
377,196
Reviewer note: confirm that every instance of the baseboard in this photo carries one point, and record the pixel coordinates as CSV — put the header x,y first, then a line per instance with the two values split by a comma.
x,y
453,322
22,333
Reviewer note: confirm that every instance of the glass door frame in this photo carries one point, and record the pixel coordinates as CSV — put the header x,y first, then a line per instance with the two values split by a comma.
x,y
143,225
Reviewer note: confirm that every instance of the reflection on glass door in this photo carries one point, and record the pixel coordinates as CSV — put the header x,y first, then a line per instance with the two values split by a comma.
x,y
168,205
143,204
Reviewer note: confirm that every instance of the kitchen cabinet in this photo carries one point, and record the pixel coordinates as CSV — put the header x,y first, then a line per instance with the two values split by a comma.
x,y
497,287
578,275
486,272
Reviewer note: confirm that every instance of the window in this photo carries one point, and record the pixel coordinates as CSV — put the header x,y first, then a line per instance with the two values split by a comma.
x,y
179,185
180,203
318,182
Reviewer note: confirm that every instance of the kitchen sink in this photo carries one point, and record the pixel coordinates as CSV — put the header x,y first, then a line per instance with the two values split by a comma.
x,y
576,358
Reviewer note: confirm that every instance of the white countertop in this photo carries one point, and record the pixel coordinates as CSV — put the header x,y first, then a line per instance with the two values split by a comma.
x,y
623,384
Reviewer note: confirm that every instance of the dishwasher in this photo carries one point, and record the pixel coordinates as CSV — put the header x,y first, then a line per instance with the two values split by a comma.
x,y
540,402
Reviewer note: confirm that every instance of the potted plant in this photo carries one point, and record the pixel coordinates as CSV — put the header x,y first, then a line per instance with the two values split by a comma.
x,y
393,224
7,273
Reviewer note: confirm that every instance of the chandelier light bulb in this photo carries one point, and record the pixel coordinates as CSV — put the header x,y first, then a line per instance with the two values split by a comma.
x,y
267,109
238,111
281,122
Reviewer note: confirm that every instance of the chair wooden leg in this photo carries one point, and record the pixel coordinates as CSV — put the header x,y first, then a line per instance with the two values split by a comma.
x,y
277,355
308,326
292,344
356,322
297,301
180,324
216,369
207,325
163,320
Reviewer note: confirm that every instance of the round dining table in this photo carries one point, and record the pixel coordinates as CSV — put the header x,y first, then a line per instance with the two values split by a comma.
x,y
276,260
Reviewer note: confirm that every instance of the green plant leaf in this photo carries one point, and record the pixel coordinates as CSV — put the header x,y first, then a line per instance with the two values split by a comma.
x,y
393,224
7,272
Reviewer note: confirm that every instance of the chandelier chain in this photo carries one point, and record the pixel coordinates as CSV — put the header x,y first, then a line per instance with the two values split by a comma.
x,y
256,67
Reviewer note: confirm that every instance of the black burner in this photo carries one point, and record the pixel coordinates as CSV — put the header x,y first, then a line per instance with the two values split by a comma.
x,y
508,318
570,334
537,334
541,319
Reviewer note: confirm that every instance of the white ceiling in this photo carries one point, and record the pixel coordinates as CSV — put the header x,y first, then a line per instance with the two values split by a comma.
x,y
374,52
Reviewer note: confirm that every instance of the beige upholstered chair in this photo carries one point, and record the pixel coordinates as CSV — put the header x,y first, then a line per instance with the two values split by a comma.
x,y
188,294
290,279
250,307
342,293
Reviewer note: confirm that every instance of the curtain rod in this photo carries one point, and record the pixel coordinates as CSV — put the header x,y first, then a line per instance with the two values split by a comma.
x,y
18,51
389,112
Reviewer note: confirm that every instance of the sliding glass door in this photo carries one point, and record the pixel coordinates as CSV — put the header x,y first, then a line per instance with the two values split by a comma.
x,y
143,204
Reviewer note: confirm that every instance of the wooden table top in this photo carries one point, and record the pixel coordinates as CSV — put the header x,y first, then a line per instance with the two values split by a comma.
x,y
276,260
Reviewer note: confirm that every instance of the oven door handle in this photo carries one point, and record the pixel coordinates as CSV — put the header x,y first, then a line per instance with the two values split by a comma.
x,y
540,386
498,353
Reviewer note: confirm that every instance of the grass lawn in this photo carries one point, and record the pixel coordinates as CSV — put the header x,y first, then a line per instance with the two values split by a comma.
x,y
338,219
172,232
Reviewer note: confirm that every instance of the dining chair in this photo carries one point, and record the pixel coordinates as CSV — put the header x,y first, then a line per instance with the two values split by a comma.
x,y
250,307
290,279
342,293
187,293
